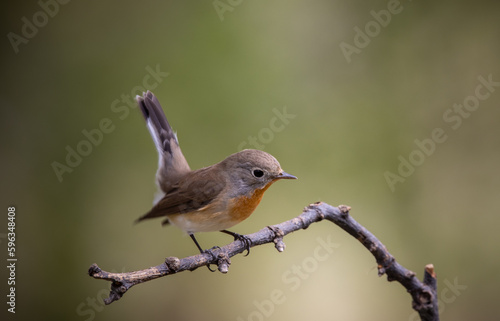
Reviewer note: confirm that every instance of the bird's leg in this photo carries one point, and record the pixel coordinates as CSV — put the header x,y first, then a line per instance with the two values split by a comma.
x,y
246,240
202,251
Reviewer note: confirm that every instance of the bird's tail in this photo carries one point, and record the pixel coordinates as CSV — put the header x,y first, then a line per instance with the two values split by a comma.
x,y
171,161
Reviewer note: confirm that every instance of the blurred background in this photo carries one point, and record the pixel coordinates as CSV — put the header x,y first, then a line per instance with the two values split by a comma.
x,y
389,107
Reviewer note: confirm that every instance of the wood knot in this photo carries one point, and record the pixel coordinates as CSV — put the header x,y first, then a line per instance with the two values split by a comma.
x,y
223,262
278,238
429,268
344,210
172,263
94,269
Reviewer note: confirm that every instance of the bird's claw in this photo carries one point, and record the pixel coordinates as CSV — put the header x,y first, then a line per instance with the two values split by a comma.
x,y
245,239
211,253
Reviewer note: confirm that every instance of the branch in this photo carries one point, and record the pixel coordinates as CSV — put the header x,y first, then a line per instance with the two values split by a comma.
x,y
424,293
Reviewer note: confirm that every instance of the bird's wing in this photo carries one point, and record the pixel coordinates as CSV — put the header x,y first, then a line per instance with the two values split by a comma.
x,y
195,191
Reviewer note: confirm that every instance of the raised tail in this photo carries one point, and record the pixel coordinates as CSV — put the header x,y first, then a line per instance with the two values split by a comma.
x,y
171,162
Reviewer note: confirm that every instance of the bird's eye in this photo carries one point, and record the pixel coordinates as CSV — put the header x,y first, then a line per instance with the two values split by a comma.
x,y
258,173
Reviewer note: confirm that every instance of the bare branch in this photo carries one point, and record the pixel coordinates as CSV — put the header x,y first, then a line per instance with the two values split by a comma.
x,y
424,293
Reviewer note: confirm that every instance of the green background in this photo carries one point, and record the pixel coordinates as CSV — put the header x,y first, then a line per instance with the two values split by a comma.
x,y
226,80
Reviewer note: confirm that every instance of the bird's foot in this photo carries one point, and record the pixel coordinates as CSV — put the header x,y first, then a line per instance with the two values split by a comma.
x,y
242,238
211,253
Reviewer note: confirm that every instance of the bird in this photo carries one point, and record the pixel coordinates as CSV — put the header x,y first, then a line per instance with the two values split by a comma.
x,y
209,199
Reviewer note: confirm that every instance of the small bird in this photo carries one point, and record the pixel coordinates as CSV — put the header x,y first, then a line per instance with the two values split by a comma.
x,y
213,198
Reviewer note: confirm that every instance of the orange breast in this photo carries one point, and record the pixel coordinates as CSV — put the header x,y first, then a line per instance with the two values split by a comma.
x,y
240,208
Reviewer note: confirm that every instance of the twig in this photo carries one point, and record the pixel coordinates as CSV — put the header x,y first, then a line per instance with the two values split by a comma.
x,y
424,293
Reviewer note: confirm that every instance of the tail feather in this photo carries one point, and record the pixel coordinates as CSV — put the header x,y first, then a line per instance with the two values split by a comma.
x,y
157,122
171,162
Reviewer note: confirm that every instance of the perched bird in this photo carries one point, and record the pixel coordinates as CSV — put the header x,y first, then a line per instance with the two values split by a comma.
x,y
213,198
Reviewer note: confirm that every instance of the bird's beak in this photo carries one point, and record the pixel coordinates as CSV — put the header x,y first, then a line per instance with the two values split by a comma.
x,y
285,175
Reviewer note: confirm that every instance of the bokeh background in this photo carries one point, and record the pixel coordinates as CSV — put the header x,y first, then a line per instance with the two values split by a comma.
x,y
230,71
